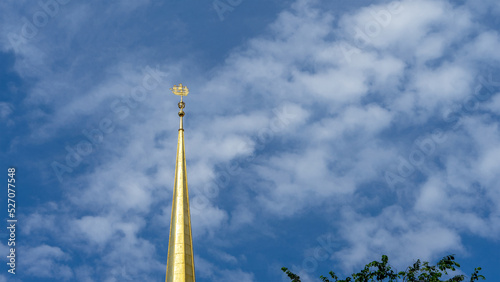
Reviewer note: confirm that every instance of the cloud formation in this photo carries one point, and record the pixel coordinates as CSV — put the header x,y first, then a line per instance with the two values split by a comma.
x,y
382,122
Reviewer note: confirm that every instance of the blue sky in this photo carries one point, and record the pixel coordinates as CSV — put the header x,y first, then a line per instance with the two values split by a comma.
x,y
319,135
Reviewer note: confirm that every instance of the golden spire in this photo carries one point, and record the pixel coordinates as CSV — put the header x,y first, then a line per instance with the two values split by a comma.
x,y
180,261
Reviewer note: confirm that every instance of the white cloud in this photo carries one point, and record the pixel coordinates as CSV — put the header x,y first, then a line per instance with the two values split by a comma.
x,y
408,28
38,221
96,229
400,235
447,84
5,110
207,219
207,270
47,262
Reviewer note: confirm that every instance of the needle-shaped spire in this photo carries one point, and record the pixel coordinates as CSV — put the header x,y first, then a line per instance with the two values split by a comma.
x,y
180,261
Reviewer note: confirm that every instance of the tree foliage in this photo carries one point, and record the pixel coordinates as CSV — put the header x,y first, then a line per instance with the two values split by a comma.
x,y
418,272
